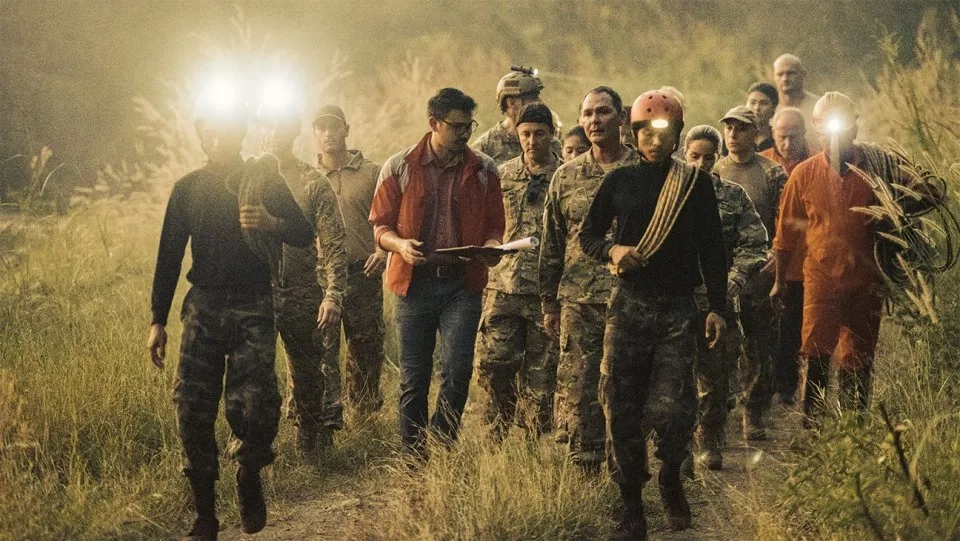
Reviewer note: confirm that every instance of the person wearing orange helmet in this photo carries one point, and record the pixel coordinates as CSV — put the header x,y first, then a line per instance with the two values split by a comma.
x,y
667,233
843,289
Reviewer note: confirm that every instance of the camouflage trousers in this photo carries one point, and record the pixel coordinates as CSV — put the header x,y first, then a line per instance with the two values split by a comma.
x,y
646,382
516,360
363,329
713,368
313,359
759,323
579,413
229,348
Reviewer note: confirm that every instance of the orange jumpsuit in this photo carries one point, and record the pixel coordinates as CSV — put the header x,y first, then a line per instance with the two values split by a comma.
x,y
843,289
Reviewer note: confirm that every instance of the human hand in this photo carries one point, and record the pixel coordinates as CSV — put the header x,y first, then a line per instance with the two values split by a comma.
x,y
770,266
778,295
551,322
256,218
328,315
625,258
375,264
714,328
157,344
408,251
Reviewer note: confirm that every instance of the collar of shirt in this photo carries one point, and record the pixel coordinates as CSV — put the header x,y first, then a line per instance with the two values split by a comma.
x,y
430,157
356,158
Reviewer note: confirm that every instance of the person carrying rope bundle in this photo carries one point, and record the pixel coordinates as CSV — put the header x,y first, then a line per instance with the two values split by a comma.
x,y
667,231
823,207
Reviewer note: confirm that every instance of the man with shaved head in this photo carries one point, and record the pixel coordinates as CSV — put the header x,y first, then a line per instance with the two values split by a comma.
x,y
790,76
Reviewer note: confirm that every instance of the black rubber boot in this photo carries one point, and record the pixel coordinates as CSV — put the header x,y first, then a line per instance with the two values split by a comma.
x,y
205,527
815,385
253,509
675,506
633,523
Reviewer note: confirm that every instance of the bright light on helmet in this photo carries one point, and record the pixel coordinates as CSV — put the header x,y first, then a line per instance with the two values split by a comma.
x,y
220,95
277,93
659,123
835,125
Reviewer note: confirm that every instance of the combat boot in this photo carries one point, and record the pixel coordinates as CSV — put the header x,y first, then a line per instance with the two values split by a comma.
x,y
814,387
675,506
754,428
205,527
633,523
253,509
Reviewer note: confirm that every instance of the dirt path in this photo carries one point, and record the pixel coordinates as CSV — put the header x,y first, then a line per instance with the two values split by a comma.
x,y
714,496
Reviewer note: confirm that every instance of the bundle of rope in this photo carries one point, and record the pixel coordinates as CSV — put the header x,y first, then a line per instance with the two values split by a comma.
x,y
917,232
250,186
673,196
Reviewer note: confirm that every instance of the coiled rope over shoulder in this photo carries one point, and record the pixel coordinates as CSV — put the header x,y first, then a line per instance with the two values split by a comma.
x,y
673,196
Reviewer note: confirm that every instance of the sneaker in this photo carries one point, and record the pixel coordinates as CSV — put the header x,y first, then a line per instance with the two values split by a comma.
x,y
675,505
204,529
253,509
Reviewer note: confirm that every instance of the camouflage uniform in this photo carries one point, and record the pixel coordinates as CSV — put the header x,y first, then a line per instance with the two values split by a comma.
x,y
313,355
514,353
578,288
210,346
745,243
503,146
763,180
354,185
648,333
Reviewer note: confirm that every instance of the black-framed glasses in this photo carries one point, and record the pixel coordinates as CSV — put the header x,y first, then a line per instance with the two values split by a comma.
x,y
462,127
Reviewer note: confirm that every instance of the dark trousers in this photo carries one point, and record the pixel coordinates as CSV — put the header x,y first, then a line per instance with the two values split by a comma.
x,y
786,368
228,347
433,306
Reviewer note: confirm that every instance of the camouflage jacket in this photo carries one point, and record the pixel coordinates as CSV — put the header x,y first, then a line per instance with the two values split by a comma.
x,y
565,272
502,146
744,236
325,262
524,195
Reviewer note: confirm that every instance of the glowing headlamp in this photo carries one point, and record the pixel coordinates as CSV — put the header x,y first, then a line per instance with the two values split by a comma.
x,y
659,123
835,125
220,98
278,100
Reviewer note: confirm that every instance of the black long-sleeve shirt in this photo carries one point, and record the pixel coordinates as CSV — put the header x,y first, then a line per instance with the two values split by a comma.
x,y
203,210
695,243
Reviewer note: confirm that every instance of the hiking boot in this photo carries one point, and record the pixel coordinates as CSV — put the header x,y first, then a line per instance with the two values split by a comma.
x,y
714,460
633,524
753,427
253,509
203,488
204,529
675,506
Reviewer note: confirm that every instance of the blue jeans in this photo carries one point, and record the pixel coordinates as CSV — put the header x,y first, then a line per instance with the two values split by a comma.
x,y
435,304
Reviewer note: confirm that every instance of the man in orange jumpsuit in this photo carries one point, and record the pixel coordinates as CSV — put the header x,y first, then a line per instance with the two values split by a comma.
x,y
843,287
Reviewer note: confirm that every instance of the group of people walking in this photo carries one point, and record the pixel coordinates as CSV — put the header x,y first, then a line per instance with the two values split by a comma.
x,y
675,271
